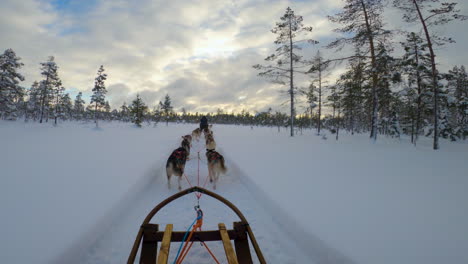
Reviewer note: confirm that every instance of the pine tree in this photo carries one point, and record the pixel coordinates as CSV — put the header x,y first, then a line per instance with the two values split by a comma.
x,y
49,70
157,114
416,65
58,93
311,100
138,110
458,86
430,16
352,94
79,108
394,129
33,106
11,93
124,112
362,22
166,107
107,107
317,70
66,107
286,60
99,93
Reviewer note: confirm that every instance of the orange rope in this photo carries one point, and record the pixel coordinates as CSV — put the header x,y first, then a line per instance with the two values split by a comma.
x,y
187,247
209,251
184,251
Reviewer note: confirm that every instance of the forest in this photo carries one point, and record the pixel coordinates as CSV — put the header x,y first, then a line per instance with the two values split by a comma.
x,y
389,88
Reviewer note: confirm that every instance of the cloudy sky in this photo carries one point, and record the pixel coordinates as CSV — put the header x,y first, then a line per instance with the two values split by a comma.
x,y
199,52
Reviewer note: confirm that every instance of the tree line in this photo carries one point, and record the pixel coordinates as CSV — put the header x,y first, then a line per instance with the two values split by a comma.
x,y
379,93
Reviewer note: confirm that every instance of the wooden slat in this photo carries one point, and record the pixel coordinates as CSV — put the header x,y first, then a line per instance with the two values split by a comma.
x,y
231,256
149,247
165,245
177,236
241,244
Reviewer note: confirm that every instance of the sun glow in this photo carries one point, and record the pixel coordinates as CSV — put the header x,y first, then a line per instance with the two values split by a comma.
x,y
215,45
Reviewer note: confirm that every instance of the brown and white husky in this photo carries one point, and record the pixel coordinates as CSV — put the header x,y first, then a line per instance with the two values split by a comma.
x,y
175,164
196,134
215,165
210,143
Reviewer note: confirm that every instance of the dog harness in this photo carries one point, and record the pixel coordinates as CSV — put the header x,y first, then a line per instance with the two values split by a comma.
x,y
213,155
179,155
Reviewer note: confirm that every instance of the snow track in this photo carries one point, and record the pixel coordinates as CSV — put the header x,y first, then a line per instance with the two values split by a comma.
x,y
279,237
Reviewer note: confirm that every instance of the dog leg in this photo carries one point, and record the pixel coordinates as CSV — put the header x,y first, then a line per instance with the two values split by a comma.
x,y
180,179
210,173
169,173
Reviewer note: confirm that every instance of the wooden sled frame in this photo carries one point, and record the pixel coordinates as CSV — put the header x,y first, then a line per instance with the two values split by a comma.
x,y
151,235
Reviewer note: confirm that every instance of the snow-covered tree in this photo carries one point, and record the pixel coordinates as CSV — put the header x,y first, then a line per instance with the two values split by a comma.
x,y
157,114
124,113
363,28
415,65
79,108
286,61
66,107
317,70
458,88
99,93
138,110
33,106
58,111
429,15
311,97
49,70
166,107
11,93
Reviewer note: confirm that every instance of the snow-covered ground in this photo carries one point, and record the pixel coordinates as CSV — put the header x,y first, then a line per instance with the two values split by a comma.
x,y
74,194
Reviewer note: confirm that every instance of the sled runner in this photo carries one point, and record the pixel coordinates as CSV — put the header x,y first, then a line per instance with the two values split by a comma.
x,y
149,236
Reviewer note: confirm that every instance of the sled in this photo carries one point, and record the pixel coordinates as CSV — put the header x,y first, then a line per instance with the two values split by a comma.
x,y
149,235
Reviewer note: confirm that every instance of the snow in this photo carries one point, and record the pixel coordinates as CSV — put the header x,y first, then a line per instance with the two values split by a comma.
x,y
75,194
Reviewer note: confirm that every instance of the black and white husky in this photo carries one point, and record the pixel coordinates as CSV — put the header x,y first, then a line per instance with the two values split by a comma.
x,y
175,164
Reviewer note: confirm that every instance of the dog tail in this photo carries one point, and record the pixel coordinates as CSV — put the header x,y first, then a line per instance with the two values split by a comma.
x,y
222,166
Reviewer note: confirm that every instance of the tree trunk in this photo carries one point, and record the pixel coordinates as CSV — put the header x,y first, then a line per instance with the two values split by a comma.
x,y
291,83
56,105
43,99
434,78
95,115
320,97
375,102
338,123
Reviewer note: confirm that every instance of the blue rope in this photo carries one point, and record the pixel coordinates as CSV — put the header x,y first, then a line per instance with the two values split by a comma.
x,y
183,240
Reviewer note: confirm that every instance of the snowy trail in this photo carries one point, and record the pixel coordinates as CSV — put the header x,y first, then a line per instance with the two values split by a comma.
x,y
279,237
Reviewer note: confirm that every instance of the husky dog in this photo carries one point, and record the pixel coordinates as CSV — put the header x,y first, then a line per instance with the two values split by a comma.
x,y
175,164
215,165
186,144
208,134
196,134
207,131
210,143
188,137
